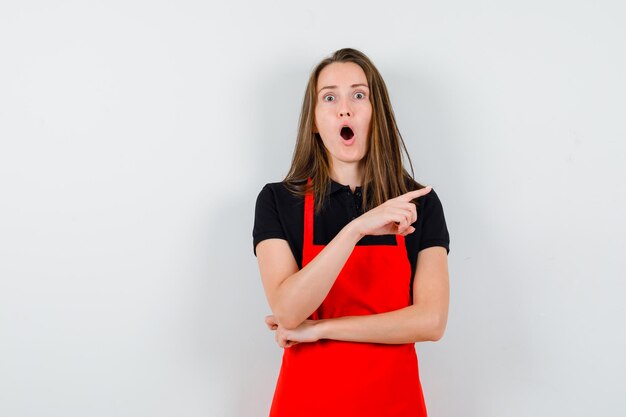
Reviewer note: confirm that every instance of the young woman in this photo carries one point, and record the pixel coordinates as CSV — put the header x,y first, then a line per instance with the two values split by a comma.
x,y
352,254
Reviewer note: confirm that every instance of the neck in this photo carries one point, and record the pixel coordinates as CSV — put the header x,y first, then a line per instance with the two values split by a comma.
x,y
347,174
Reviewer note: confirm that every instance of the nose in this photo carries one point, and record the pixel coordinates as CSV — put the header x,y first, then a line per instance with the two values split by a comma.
x,y
344,110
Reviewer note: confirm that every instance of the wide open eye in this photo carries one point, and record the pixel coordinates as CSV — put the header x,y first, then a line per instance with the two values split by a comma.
x,y
329,97
359,96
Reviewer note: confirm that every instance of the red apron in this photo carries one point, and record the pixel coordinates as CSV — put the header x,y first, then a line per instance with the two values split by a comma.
x,y
331,378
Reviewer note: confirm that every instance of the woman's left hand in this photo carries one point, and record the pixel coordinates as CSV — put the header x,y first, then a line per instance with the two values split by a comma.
x,y
307,331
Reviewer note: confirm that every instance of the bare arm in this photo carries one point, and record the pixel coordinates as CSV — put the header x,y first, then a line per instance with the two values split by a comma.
x,y
425,320
293,294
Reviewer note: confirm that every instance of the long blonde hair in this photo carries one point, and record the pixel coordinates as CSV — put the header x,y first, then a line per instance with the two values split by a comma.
x,y
384,174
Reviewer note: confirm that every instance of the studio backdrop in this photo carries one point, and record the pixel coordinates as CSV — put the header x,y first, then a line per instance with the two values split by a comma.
x,y
135,137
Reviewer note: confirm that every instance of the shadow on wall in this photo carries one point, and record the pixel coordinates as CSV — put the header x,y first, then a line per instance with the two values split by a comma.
x,y
279,99
232,341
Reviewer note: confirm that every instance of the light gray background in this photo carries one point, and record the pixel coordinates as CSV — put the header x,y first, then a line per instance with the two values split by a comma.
x,y
135,137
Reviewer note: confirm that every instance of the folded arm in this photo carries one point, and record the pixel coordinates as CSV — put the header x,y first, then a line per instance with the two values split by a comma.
x,y
424,320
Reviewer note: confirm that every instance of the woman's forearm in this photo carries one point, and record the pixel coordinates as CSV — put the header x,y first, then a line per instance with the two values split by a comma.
x,y
407,325
424,320
303,292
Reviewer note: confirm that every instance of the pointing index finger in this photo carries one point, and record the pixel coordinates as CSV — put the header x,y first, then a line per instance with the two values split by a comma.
x,y
412,195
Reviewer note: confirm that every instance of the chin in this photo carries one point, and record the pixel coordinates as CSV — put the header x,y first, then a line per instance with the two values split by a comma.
x,y
351,158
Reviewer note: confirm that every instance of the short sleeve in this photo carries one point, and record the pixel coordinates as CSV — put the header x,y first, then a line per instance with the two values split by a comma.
x,y
434,228
267,223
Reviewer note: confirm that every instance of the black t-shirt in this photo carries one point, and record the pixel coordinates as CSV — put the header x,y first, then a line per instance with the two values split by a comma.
x,y
280,214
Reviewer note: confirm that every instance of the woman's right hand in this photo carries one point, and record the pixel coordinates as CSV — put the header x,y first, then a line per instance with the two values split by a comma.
x,y
394,216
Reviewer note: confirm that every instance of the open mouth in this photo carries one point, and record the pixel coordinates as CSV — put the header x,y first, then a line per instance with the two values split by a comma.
x,y
346,133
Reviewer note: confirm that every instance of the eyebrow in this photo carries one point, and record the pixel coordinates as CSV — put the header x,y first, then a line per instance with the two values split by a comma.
x,y
334,86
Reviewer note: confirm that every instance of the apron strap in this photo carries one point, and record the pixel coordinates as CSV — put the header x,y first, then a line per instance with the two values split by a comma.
x,y
309,214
